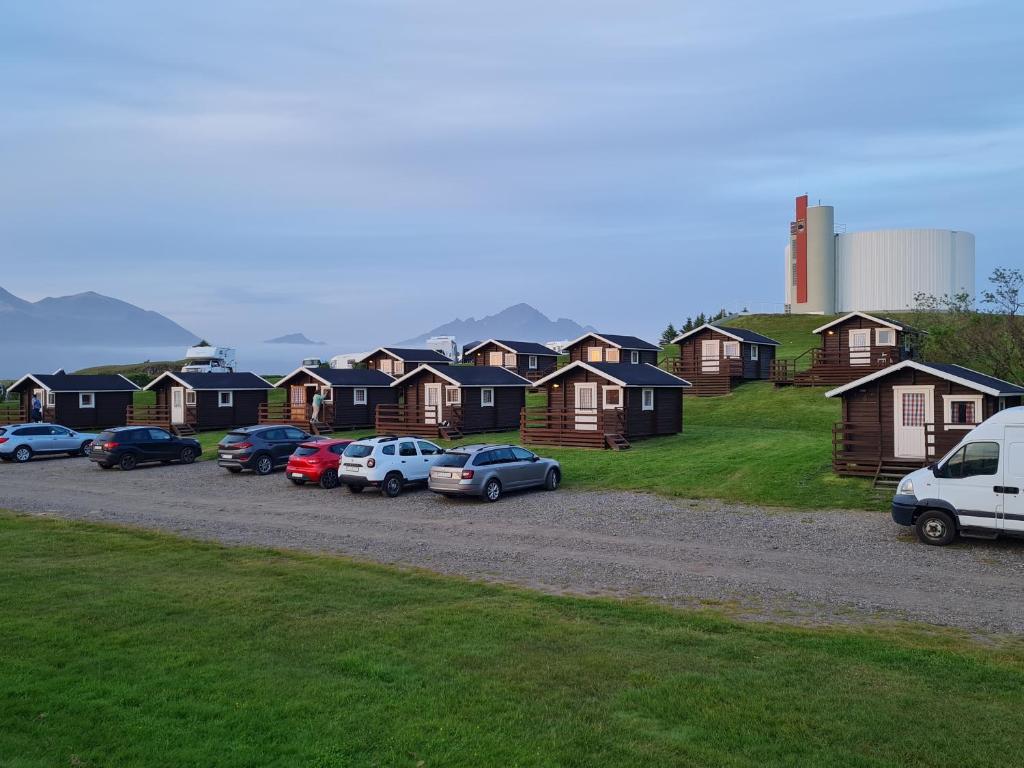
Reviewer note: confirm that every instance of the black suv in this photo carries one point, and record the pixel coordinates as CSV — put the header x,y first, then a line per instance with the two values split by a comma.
x,y
127,447
260,449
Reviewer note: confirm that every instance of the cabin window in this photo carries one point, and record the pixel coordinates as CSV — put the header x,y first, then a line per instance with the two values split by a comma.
x,y
51,399
495,359
86,400
634,356
611,355
385,365
731,349
359,396
399,368
190,397
962,411
487,397
885,337
755,352
327,393
225,399
612,397
595,354
452,395
510,360
532,362
647,398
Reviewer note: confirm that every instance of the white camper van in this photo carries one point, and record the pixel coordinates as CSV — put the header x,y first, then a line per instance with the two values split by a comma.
x,y
204,358
977,489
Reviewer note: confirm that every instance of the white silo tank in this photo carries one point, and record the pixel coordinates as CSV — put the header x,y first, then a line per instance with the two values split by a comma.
x,y
821,260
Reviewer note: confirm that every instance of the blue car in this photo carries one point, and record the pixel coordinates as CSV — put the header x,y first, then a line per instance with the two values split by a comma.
x,y
20,442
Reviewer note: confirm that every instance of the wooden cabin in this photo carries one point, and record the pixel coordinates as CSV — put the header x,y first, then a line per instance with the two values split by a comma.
x,y
350,398
527,358
911,414
611,348
75,401
187,403
398,361
453,400
605,405
715,357
850,347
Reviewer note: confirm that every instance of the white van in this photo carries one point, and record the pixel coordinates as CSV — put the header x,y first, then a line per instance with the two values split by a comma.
x,y
974,490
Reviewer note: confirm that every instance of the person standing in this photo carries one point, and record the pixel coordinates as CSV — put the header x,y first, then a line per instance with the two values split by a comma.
x,y
318,400
37,408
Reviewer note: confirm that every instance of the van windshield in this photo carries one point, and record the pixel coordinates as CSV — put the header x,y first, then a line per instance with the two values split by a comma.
x,y
357,451
453,460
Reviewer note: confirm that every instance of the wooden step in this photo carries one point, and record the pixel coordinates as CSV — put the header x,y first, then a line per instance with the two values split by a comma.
x,y
183,430
616,442
450,433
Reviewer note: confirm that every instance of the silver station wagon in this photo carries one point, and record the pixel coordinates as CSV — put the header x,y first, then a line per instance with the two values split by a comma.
x,y
489,471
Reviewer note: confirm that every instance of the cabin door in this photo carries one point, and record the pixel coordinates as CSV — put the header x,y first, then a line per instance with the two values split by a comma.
x,y
860,346
586,406
709,356
913,408
177,405
297,399
431,403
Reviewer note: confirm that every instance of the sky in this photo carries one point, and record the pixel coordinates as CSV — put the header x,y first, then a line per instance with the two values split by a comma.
x,y
364,171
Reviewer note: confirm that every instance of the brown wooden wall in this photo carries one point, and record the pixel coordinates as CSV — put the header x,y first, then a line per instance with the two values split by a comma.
x,y
373,363
545,363
207,414
346,414
837,344
501,417
690,350
578,351
110,411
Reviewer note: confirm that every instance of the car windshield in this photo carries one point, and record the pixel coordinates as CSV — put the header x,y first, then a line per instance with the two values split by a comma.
x,y
305,450
453,460
234,437
357,451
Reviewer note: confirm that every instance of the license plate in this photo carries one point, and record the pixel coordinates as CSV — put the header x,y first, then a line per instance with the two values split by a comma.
x,y
353,467
443,474
225,455
298,475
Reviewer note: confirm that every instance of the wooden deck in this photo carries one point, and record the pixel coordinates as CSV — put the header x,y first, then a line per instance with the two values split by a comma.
x,y
419,421
817,368
710,377
298,415
540,425
857,452
160,416
14,416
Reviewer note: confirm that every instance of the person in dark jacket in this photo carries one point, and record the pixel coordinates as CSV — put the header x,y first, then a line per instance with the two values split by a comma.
x,y
37,408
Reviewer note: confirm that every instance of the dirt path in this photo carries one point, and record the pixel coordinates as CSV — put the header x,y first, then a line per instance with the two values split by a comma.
x,y
788,566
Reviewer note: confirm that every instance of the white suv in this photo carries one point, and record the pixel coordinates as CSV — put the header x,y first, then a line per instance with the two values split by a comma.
x,y
387,462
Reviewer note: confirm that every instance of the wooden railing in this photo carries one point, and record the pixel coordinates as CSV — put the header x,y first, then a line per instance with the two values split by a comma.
x,y
12,413
297,414
688,367
149,416
856,448
418,420
820,367
540,425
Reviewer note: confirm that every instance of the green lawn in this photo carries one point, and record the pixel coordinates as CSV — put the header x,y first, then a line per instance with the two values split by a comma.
x,y
132,648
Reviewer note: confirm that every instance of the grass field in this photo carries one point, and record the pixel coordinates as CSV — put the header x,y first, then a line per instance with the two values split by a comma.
x,y
137,649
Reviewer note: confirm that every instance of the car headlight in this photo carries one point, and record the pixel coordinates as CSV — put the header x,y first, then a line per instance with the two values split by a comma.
x,y
907,487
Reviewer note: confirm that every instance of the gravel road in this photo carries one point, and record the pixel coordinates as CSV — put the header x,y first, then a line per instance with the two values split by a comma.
x,y
800,567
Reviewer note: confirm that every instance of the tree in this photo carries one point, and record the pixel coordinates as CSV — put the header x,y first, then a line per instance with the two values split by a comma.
x,y
668,334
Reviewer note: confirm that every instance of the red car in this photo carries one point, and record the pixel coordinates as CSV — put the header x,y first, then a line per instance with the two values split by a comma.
x,y
316,463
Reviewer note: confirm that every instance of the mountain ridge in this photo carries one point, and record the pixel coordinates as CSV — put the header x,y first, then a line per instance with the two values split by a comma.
x,y
295,338
519,322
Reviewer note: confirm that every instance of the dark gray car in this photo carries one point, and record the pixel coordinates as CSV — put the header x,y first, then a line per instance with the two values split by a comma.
x,y
261,449
489,471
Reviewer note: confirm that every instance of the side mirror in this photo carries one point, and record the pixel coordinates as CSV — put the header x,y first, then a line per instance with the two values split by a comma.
x,y
535,458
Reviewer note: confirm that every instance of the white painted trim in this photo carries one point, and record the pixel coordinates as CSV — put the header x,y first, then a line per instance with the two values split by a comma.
x,y
755,352
878,338
356,400
231,398
38,383
605,389
717,329
725,350
610,343
924,368
928,390
457,391
483,399
643,399
302,369
634,357
580,364
863,315
947,410
456,382
532,363
190,397
186,385
92,395
28,377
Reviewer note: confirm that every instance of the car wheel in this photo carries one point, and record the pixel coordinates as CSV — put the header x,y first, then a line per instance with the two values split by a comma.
x,y
105,466
127,462
234,470
553,480
264,465
22,454
329,479
297,481
85,448
492,490
392,485
188,455
935,527
355,489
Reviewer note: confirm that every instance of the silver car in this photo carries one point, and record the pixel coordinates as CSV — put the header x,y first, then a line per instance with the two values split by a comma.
x,y
489,471
20,442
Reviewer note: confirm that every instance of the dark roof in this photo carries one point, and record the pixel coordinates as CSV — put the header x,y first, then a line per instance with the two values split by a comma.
x,y
752,337
645,375
242,380
525,347
981,379
82,383
417,355
478,376
353,377
628,342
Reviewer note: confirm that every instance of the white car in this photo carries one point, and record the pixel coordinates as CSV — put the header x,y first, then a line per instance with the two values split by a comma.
x,y
387,462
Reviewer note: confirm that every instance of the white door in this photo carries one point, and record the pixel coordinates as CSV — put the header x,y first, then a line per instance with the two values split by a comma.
x,y
1013,479
860,346
968,480
586,406
913,407
177,405
709,356
432,403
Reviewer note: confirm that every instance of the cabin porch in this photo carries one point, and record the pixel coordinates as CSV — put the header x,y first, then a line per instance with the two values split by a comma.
x,y
427,421
160,416
300,415
710,376
579,428
857,450
819,367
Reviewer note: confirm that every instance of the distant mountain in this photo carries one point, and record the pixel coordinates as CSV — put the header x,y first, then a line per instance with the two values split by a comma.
x,y
520,322
87,318
294,338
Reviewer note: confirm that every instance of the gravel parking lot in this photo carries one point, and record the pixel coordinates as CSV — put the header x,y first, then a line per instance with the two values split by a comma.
x,y
779,565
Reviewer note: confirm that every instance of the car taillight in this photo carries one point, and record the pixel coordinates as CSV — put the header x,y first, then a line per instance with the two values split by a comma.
x,y
240,446
371,463
109,446
467,474
4,439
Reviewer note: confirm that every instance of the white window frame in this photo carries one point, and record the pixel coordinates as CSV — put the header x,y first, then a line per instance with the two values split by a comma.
x,y
495,358
386,365
92,399
449,390
399,368
359,396
878,337
220,398
509,360
532,362
604,397
190,397
50,399
634,356
591,358
731,345
327,393
484,391
612,355
643,398
755,352
947,410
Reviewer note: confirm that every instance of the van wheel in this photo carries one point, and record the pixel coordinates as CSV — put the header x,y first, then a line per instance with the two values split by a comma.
x,y
127,462
492,490
264,465
553,480
23,454
936,528
392,485
329,479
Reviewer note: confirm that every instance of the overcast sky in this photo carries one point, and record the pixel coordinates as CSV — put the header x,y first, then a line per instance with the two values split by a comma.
x,y
363,171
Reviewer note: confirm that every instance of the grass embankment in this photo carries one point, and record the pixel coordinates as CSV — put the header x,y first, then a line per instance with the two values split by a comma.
x,y
136,648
